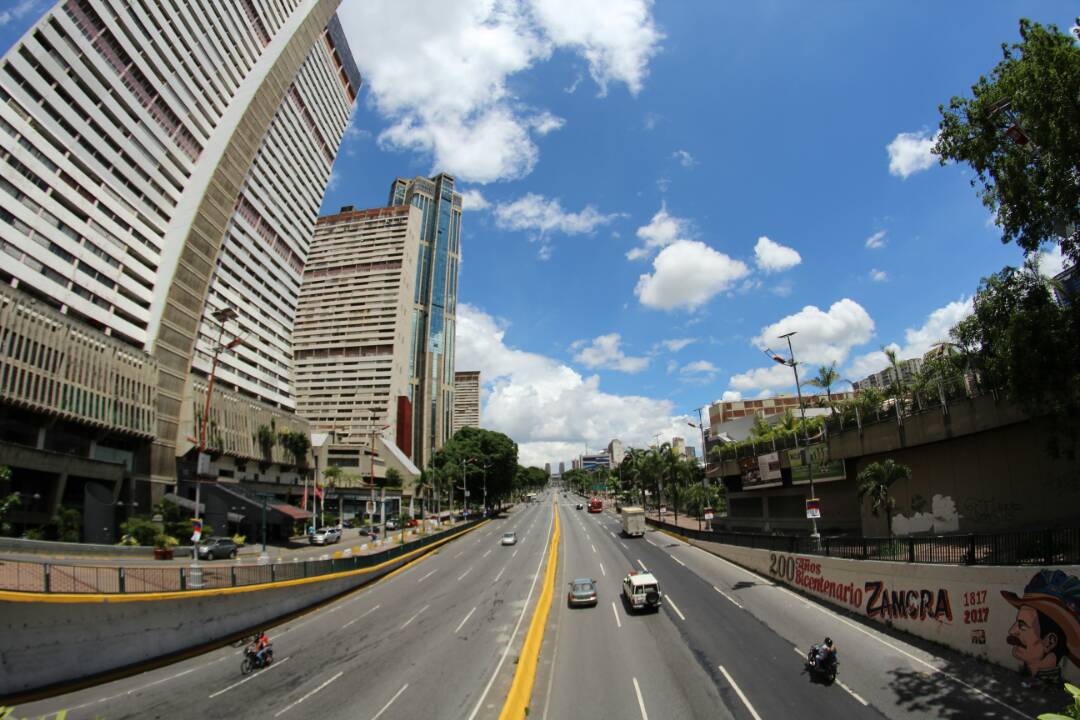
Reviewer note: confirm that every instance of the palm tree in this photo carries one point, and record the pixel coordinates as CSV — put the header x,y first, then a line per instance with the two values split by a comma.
x,y
875,482
826,377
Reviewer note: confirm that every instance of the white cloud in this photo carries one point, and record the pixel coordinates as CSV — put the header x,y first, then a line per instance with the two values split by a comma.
x,y
773,257
535,212
688,274
572,87
685,158
473,199
663,230
822,336
616,37
699,371
24,7
917,341
769,378
650,121
545,122
876,241
604,352
878,275
677,344
910,153
441,79
550,410
731,396
1051,262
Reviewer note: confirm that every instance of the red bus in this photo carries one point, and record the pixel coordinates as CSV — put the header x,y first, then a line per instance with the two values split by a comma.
x,y
596,505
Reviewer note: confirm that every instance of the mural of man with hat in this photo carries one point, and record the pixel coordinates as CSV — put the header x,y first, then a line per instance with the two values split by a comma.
x,y
1047,625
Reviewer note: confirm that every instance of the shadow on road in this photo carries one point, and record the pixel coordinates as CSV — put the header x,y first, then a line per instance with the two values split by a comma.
x,y
937,695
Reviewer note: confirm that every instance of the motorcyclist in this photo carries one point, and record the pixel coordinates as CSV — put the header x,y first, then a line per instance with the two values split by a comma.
x,y
824,653
260,646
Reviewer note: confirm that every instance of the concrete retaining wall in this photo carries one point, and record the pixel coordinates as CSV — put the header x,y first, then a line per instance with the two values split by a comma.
x,y
47,547
58,639
975,610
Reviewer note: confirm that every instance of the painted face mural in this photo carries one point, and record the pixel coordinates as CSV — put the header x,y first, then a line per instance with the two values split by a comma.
x,y
1047,625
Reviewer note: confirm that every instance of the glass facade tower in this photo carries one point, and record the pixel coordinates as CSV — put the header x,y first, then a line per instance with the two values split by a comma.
x,y
434,309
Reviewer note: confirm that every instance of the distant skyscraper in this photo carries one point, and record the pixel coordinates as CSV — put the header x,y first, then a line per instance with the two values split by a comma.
x,y
562,467
351,344
616,452
678,445
547,468
435,307
466,399
166,161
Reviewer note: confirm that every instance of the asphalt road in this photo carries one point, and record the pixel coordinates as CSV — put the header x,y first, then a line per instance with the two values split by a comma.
x,y
438,639
758,632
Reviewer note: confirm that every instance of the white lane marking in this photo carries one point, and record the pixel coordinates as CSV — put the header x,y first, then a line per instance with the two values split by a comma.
x,y
462,575
513,554
739,692
499,575
733,600
618,622
602,570
593,547
517,627
290,707
151,684
643,568
623,545
851,692
676,559
428,575
407,622
587,537
360,618
459,554
669,601
387,705
252,676
487,553
462,623
611,533
650,542
641,702
800,653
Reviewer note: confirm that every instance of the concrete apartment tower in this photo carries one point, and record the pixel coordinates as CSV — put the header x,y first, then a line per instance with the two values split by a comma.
x,y
466,399
165,162
354,322
434,308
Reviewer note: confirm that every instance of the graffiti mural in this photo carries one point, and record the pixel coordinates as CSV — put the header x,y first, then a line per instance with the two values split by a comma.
x,y
941,519
1046,629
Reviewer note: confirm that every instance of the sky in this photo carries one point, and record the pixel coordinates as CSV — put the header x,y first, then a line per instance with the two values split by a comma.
x,y
655,192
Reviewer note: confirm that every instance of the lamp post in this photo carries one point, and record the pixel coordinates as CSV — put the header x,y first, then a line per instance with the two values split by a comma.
x,y
791,363
705,461
263,556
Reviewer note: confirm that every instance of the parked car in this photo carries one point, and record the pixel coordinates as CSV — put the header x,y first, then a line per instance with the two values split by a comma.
x,y
369,530
413,522
347,524
325,536
642,591
579,506
391,525
217,547
582,592
509,538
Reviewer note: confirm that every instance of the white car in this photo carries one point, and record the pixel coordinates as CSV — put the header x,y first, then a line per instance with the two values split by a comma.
x,y
325,536
642,591
509,538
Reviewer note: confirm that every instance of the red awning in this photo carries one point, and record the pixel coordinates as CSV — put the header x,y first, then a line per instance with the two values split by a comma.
x,y
292,511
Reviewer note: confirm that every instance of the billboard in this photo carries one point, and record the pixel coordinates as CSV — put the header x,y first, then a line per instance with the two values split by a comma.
x,y
825,470
769,466
753,478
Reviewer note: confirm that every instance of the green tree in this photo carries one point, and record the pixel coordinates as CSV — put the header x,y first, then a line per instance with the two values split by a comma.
x,y
826,377
875,482
1070,713
1019,132
1021,341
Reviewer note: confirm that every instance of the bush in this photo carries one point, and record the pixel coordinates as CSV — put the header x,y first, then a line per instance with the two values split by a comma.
x,y
140,530
239,539
164,541
1070,713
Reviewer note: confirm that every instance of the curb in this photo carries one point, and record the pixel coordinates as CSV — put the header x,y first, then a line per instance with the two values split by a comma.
x,y
516,706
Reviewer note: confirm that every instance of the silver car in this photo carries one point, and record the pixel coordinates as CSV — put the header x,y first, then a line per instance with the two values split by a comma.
x,y
509,538
325,536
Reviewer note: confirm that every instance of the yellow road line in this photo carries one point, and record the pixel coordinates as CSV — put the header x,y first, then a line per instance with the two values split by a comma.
x,y
517,700
72,598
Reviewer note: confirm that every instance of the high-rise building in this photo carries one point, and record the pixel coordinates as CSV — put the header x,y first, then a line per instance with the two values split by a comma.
x,y
466,399
562,467
547,468
886,378
616,452
165,165
351,343
435,308
678,445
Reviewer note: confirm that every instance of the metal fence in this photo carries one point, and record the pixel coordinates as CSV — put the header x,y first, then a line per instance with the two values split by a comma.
x,y
1060,546
43,577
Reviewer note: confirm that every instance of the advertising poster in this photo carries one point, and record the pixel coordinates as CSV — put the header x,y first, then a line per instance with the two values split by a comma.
x,y
825,470
769,466
752,478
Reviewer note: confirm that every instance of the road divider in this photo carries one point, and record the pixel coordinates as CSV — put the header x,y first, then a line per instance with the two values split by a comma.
x,y
516,706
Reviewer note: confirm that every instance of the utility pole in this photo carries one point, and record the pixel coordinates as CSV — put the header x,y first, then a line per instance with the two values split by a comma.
x,y
802,413
705,463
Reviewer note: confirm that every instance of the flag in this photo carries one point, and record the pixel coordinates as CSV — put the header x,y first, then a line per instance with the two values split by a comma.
x,y
303,502
318,492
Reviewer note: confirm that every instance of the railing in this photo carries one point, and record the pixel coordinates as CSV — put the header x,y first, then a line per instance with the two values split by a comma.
x,y
38,577
1060,546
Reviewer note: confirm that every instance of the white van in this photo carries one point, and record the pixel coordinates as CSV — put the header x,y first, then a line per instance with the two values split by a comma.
x,y
633,522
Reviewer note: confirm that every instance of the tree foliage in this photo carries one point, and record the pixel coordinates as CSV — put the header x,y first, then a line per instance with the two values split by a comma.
x,y
875,482
1020,132
478,455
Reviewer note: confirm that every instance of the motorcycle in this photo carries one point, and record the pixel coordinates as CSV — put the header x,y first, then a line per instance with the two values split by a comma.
x,y
823,668
252,661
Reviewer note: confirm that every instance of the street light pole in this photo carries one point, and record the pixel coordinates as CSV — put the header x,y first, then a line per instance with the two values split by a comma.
x,y
705,463
802,414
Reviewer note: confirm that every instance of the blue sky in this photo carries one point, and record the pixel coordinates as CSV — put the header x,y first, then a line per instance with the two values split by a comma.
x,y
623,161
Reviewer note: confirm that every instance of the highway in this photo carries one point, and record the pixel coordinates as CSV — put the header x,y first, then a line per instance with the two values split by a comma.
x,y
729,644
438,639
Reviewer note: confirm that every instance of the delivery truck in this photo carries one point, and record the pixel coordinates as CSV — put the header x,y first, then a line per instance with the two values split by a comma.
x,y
633,522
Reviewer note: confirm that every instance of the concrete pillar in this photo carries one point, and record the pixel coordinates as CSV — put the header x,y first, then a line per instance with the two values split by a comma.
x,y
58,493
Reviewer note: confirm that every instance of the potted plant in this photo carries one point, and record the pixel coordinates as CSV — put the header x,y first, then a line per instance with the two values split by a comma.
x,y
163,547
